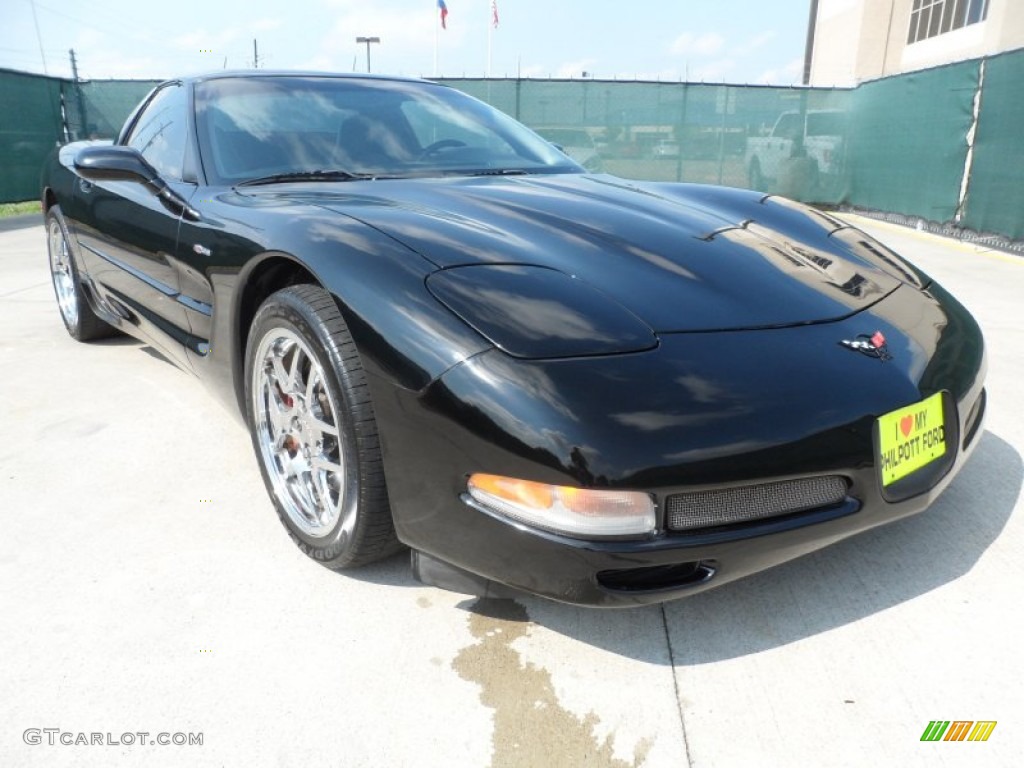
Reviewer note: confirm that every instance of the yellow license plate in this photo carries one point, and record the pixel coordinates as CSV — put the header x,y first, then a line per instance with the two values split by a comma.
x,y
910,438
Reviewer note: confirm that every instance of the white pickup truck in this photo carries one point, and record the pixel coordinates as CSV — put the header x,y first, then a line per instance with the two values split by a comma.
x,y
819,137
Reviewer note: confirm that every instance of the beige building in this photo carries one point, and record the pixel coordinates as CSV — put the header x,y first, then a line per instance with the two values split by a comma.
x,y
858,40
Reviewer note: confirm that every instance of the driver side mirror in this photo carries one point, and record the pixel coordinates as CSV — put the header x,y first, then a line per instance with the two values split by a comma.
x,y
120,163
114,163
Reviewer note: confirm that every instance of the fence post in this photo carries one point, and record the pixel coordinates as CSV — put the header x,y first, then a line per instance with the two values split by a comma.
x,y
681,135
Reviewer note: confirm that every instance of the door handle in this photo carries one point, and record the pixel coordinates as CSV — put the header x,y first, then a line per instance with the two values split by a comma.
x,y
85,186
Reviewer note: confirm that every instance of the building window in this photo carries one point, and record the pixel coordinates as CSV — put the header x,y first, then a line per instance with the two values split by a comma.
x,y
936,17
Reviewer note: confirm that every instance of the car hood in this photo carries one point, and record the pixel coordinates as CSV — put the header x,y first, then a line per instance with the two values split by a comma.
x,y
680,257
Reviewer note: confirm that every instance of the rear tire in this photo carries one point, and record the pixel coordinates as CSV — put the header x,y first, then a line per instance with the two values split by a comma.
x,y
80,321
314,432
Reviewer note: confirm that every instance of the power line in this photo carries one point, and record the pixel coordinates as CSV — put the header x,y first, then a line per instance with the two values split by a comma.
x,y
39,37
126,29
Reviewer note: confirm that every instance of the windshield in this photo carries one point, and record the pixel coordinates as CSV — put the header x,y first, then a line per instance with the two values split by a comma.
x,y
254,127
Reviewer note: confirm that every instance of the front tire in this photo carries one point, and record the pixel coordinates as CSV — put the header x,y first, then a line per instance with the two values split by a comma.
x,y
80,321
314,432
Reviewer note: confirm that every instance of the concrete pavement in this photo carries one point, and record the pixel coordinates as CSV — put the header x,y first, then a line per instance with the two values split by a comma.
x,y
146,585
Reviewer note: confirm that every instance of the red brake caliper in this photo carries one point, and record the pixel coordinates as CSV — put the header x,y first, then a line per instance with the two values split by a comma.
x,y
290,443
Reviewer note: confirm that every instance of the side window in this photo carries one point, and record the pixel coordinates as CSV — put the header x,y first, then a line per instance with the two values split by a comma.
x,y
161,131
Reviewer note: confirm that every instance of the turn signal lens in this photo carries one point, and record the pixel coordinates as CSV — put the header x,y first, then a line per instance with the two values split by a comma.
x,y
574,511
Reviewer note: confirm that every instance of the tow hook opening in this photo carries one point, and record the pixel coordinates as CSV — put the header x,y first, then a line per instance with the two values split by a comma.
x,y
658,577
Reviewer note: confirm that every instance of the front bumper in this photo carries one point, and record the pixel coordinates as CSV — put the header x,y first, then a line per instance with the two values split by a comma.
x,y
619,574
701,411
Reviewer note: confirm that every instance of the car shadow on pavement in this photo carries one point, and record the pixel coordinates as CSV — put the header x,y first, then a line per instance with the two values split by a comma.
x,y
118,340
853,579
394,571
863,575
838,585
124,340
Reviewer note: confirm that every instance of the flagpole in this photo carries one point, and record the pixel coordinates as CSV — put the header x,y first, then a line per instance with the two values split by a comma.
x,y
490,30
436,24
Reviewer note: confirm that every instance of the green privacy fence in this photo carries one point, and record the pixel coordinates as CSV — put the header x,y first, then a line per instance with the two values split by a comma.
x,y
30,125
717,134
899,145
98,109
38,112
908,141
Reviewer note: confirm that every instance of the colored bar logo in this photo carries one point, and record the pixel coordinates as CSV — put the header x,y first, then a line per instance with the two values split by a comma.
x,y
958,730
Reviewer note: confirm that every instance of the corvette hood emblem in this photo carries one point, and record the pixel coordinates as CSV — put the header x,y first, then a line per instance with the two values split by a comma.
x,y
873,345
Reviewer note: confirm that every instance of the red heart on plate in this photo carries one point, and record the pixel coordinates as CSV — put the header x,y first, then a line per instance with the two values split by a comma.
x,y
906,424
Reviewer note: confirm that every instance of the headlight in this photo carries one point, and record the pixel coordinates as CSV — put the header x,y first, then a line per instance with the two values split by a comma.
x,y
574,511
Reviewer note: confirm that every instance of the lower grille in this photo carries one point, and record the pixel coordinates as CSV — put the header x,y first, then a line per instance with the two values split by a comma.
x,y
726,506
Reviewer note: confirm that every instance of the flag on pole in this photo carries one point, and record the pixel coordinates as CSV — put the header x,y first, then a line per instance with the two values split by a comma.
x,y
444,14
494,13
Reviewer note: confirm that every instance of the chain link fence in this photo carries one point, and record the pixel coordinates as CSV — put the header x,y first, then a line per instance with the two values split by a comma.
x,y
942,145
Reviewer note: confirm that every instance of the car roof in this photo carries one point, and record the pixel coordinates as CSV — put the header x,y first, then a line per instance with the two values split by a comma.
x,y
257,73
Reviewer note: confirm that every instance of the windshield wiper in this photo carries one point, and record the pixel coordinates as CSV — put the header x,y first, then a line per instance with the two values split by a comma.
x,y
494,172
318,175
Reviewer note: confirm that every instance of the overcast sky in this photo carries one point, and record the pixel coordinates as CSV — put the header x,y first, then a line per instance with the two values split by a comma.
x,y
736,41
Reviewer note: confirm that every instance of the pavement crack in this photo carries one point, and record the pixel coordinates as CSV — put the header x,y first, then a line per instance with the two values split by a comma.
x,y
675,685
22,290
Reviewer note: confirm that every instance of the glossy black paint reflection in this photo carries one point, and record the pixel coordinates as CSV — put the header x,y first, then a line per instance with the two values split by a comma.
x,y
534,312
663,253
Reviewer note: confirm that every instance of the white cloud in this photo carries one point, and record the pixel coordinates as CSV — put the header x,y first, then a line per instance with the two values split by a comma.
x,y
265,25
108,64
716,71
706,44
756,42
201,40
788,74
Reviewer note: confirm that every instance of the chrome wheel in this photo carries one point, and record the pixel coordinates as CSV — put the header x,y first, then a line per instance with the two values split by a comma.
x,y
313,429
63,274
298,433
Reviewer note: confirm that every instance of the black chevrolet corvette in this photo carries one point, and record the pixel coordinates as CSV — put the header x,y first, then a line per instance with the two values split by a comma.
x,y
442,333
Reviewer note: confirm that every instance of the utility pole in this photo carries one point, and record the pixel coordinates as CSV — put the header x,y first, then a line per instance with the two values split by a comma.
x,y
83,131
367,40
812,24
255,55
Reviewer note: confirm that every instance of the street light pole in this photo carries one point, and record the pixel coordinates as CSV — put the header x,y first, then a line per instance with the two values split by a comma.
x,y
368,40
